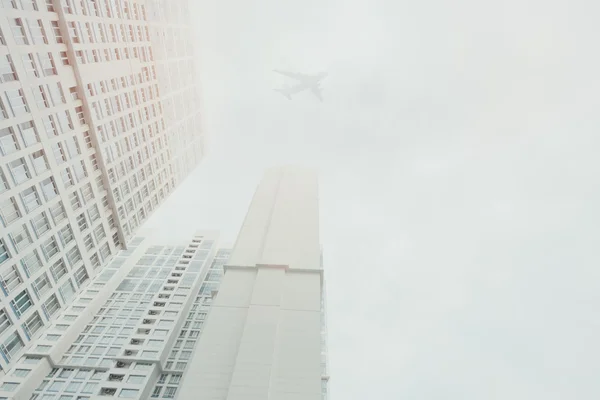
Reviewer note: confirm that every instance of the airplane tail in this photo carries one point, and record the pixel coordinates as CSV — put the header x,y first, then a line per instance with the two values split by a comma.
x,y
283,92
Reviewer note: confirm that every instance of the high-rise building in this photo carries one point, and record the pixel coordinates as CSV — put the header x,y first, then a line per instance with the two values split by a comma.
x,y
264,337
192,321
131,332
98,124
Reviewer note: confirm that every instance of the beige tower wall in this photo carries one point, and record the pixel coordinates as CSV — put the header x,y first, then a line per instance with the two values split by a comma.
x,y
262,339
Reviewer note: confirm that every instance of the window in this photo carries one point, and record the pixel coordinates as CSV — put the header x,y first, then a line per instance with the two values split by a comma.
x,y
58,270
72,387
143,366
41,285
58,212
19,171
81,221
50,248
4,321
89,388
38,159
50,126
99,233
40,224
21,303
156,391
8,212
95,260
36,28
41,97
66,235
3,113
105,251
32,360
81,276
169,392
10,279
67,291
16,100
21,237
56,30
74,199
175,379
59,153
80,55
64,58
30,199
98,375
8,141
93,213
88,142
49,69
33,324
73,31
7,69
18,31
51,306
11,346
87,192
55,386
89,242
9,386
29,133
73,255
21,373
113,351
31,263
82,374
29,63
49,188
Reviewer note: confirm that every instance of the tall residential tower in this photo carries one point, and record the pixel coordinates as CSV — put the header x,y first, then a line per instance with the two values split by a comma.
x,y
264,337
99,122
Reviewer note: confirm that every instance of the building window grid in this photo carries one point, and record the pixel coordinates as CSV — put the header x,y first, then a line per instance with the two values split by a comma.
x,y
136,10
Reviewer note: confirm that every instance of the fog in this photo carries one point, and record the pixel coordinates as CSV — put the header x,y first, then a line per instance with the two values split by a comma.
x,y
457,148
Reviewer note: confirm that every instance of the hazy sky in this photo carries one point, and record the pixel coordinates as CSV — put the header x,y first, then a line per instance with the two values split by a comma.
x,y
458,148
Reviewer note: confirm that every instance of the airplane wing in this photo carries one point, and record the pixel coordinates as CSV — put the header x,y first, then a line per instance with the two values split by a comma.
x,y
288,91
292,75
317,92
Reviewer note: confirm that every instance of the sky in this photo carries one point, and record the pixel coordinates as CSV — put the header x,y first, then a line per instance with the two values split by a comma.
x,y
457,149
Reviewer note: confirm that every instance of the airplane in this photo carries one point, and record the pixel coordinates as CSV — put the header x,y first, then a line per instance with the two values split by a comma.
x,y
305,82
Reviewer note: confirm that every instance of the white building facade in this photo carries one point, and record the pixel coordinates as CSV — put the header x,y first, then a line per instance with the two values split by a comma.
x,y
99,122
265,335
131,332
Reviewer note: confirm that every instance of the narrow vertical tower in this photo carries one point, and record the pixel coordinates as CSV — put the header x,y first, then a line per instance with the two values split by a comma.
x,y
262,338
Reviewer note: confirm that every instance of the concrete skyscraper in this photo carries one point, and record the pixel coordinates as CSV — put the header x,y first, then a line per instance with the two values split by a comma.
x,y
192,321
264,336
99,122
